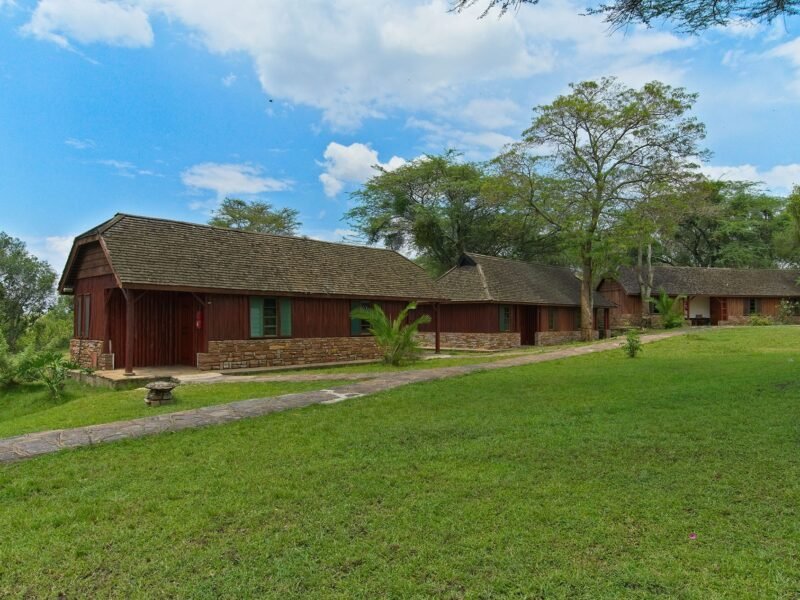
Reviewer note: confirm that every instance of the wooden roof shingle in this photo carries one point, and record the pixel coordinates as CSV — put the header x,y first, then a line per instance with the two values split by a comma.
x,y
156,252
716,281
481,278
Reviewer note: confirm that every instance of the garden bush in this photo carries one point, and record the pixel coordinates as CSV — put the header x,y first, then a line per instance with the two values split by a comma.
x,y
48,367
396,339
669,309
632,345
759,320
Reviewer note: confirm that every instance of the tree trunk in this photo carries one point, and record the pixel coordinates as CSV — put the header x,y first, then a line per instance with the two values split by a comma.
x,y
587,297
645,275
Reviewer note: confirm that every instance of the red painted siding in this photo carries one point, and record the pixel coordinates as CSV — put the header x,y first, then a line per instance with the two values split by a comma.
x,y
95,287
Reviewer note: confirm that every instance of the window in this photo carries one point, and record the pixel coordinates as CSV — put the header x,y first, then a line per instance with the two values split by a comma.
x,y
505,317
576,319
752,306
83,315
551,318
359,326
270,317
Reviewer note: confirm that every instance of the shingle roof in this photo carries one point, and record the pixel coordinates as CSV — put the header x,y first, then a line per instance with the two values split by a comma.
x,y
700,281
159,252
480,278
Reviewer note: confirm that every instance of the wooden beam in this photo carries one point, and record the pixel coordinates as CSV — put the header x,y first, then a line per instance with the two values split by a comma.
x,y
438,344
129,316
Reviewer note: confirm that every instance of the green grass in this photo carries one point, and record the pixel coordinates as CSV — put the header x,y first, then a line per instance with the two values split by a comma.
x,y
579,478
28,408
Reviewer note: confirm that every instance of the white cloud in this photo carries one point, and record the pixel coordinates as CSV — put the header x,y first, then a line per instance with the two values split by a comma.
x,y
230,179
492,113
791,52
229,80
80,144
90,21
54,249
779,179
351,164
126,169
476,145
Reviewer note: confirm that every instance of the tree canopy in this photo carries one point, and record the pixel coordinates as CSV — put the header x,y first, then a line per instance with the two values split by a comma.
x,y
26,288
255,216
690,16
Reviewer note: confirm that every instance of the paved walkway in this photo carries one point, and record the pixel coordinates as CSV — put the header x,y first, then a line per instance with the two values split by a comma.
x,y
45,442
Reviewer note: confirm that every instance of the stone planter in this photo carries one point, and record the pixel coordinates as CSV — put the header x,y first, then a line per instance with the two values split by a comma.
x,y
159,392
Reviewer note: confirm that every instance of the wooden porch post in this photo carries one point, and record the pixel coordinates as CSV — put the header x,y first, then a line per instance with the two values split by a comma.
x,y
129,316
438,345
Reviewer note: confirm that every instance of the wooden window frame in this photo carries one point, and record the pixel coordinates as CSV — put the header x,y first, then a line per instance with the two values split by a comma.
x,y
363,323
279,329
82,317
552,318
755,303
505,318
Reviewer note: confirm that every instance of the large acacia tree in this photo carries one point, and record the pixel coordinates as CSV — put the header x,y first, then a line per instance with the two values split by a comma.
x,y
439,207
256,215
688,15
604,141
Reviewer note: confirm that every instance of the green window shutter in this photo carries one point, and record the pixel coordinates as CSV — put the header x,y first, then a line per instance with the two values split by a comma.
x,y
355,324
286,316
256,316
503,318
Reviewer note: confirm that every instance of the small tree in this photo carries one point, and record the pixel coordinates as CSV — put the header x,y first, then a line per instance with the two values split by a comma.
x,y
670,309
632,345
396,338
6,366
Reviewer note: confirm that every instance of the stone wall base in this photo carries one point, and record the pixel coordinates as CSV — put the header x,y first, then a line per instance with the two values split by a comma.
x,y
245,354
471,341
87,354
553,338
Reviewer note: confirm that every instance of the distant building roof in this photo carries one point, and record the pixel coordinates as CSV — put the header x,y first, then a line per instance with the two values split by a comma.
x,y
161,253
480,278
708,281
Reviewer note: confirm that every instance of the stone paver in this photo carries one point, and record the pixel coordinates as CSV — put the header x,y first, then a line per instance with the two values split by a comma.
x,y
45,442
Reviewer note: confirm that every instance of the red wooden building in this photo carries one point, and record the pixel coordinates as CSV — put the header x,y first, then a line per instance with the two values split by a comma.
x,y
713,296
153,292
495,303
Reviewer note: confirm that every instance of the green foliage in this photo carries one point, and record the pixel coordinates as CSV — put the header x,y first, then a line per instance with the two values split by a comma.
x,y
258,216
53,330
787,311
670,310
632,346
759,320
690,16
26,288
47,367
396,338
6,363
442,206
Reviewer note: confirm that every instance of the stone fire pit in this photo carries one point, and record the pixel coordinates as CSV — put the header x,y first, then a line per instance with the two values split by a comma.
x,y
159,392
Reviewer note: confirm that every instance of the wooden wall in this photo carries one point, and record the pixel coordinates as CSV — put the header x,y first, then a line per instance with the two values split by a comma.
x,y
96,288
468,318
565,318
91,262
626,305
228,316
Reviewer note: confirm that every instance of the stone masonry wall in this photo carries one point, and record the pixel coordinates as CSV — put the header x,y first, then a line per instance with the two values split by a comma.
x,y
470,341
86,353
552,338
244,354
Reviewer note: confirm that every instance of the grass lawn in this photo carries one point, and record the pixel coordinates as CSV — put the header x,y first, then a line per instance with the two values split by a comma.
x,y
585,477
28,408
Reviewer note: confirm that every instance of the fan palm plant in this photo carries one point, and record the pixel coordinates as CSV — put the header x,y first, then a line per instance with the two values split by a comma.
x,y
670,309
396,338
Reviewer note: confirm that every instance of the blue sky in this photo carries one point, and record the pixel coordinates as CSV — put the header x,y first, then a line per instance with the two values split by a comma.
x,y
163,107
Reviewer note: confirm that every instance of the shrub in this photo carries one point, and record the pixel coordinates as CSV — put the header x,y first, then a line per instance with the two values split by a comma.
x,y
632,345
759,320
670,310
47,367
787,310
396,339
6,364
51,331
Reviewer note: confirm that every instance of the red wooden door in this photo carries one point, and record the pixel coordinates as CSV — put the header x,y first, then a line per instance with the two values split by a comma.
x,y
186,330
528,321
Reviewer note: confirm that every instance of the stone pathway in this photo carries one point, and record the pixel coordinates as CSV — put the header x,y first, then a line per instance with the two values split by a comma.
x,y
45,442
